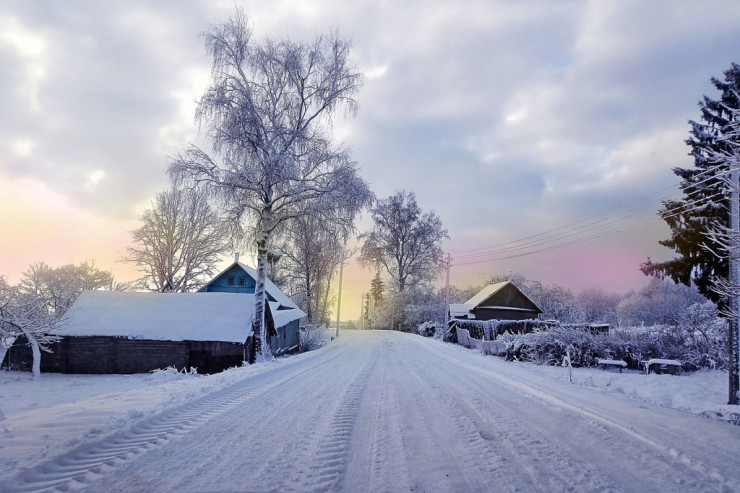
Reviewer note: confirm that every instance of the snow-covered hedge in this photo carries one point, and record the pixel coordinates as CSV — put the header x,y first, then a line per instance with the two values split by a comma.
x,y
488,330
696,349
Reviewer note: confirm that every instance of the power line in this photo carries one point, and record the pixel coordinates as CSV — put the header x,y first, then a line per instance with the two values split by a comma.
x,y
554,238
606,215
554,247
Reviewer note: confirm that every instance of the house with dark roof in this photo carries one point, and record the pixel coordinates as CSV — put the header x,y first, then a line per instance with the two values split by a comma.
x,y
211,330
500,301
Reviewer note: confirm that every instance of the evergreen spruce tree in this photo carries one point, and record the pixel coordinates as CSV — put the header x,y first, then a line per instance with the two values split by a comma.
x,y
377,286
366,311
705,202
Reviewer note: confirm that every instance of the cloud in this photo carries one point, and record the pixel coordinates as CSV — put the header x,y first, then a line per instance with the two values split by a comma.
x,y
30,51
116,79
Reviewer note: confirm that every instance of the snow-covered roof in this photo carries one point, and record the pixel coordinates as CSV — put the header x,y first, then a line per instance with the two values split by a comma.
x,y
161,316
460,310
485,293
282,316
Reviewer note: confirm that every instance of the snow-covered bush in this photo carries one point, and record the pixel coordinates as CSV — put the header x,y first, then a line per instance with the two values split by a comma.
x,y
416,306
659,303
698,341
427,329
551,346
311,337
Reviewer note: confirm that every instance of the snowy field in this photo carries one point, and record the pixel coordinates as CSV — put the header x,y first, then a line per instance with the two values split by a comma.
x,y
371,411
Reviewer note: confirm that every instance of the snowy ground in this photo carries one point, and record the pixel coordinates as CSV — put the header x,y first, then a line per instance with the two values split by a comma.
x,y
372,411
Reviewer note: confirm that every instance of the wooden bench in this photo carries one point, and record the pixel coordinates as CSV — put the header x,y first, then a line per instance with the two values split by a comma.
x,y
608,363
658,365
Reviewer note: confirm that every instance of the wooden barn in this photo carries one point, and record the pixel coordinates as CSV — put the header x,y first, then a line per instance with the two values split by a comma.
x,y
118,332
500,301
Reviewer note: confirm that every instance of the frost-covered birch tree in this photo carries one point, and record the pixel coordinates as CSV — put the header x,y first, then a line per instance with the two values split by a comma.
x,y
268,114
25,314
59,287
180,242
405,241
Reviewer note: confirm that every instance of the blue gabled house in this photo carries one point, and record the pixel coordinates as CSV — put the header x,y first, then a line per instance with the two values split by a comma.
x,y
282,315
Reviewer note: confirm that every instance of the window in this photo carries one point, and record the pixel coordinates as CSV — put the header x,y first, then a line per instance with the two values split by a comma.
x,y
241,281
231,281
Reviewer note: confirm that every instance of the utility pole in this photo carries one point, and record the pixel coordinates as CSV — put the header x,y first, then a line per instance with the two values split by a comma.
x,y
734,321
393,309
339,294
448,264
362,312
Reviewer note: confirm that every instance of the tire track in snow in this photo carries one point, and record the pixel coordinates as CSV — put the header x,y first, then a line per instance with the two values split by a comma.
x,y
667,452
548,464
380,453
330,461
479,461
91,461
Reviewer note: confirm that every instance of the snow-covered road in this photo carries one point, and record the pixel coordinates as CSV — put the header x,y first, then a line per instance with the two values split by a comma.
x,y
386,411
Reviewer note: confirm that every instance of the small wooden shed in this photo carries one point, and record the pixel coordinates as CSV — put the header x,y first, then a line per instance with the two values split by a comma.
x,y
500,301
120,332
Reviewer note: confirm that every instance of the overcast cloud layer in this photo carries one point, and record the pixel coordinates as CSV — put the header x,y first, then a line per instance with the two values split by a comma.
x,y
508,119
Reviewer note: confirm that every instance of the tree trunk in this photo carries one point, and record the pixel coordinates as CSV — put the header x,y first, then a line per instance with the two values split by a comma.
x,y
36,351
309,300
325,303
258,323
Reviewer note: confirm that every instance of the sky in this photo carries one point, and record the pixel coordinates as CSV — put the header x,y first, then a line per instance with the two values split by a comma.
x,y
542,133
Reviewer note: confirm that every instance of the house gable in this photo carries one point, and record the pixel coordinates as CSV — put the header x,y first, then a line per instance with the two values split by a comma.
x,y
230,281
501,301
235,279
510,297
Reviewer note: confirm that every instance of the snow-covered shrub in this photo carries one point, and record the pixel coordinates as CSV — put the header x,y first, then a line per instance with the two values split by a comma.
x,y
311,337
427,329
170,374
551,346
705,336
659,303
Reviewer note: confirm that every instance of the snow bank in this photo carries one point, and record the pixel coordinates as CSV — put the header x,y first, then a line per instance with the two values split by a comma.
x,y
703,393
48,417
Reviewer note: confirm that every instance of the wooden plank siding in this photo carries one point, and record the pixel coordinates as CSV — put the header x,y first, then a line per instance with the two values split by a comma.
x,y
503,314
103,354
286,339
